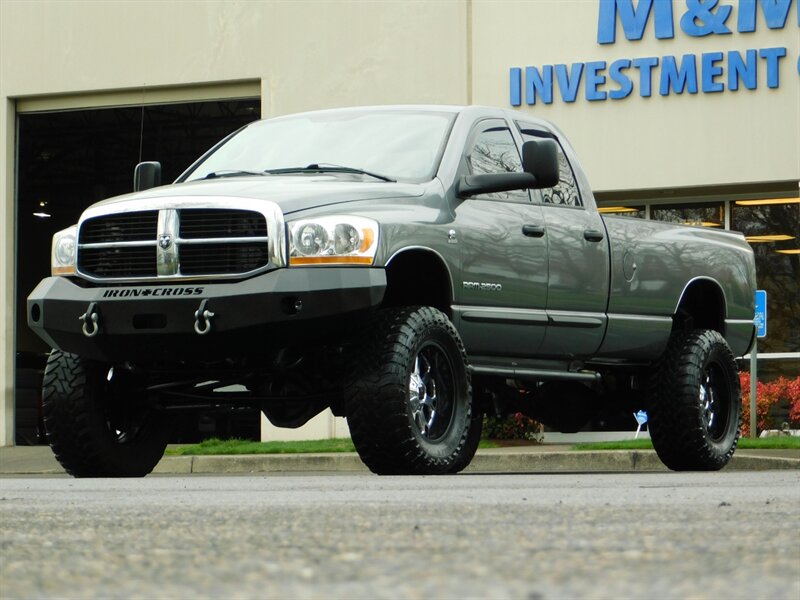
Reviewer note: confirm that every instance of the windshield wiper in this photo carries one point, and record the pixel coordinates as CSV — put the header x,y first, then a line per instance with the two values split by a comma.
x,y
328,168
233,173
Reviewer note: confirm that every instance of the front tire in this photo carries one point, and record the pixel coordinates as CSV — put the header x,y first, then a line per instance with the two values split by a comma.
x,y
695,402
409,399
97,421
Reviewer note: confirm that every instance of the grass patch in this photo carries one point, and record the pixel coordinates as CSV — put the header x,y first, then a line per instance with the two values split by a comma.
x,y
643,444
773,443
227,447
216,446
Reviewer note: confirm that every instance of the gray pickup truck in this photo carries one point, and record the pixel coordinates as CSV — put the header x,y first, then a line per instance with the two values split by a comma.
x,y
411,268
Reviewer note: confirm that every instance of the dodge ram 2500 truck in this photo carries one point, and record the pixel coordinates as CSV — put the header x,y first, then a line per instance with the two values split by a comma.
x,y
412,268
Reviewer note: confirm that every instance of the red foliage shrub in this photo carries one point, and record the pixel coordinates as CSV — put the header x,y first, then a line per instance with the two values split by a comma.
x,y
792,392
767,396
515,427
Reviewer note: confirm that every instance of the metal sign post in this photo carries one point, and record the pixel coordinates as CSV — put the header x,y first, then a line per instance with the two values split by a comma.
x,y
760,321
753,381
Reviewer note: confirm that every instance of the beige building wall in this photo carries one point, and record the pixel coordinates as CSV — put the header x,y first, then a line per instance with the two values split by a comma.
x,y
310,54
7,297
323,426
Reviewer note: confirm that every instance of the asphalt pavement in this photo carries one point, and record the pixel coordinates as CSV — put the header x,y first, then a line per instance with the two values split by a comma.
x,y
539,458
310,536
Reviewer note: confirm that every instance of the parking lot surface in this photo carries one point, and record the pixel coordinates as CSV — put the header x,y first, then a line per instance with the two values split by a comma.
x,y
312,535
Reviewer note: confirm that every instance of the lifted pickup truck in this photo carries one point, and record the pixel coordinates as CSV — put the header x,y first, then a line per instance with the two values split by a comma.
x,y
411,268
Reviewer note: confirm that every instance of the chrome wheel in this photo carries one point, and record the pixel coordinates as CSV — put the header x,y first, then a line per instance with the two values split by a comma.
x,y
429,390
695,402
714,412
409,398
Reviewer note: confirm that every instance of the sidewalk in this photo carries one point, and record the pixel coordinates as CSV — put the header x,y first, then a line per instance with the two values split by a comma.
x,y
544,458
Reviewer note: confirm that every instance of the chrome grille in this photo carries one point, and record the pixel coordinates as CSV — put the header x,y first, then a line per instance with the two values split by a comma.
x,y
118,262
207,259
125,227
173,243
210,223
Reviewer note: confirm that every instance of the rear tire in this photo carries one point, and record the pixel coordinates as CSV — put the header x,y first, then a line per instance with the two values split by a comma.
x,y
695,402
409,398
99,425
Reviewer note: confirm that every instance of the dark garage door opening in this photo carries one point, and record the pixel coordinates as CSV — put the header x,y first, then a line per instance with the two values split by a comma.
x,y
67,160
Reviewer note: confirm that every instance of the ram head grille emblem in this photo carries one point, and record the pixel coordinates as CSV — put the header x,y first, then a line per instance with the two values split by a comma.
x,y
164,241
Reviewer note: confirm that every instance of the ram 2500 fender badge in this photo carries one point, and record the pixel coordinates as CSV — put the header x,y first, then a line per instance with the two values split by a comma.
x,y
483,286
152,292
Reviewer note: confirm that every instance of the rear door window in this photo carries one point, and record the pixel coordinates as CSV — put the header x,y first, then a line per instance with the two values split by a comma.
x,y
566,193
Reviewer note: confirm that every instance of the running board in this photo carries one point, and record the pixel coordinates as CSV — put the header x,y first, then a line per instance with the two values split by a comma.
x,y
537,374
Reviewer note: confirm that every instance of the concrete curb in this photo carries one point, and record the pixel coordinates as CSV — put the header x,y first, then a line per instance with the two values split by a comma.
x,y
746,462
611,461
277,463
40,461
555,462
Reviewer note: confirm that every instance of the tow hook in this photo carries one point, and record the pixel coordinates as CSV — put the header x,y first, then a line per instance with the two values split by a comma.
x,y
91,320
202,319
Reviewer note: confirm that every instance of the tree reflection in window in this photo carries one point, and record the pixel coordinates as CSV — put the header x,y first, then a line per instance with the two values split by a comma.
x,y
494,151
773,231
566,193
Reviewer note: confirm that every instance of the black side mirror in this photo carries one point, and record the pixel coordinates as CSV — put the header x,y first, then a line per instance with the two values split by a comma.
x,y
540,159
146,175
489,183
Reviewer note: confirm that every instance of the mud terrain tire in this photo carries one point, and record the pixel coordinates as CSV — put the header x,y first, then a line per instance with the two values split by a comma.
x,y
695,402
409,398
99,425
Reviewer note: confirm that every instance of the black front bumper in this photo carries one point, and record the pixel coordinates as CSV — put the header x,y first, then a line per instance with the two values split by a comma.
x,y
146,323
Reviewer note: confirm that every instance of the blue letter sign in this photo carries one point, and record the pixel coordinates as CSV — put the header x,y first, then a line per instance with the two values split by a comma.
x,y
761,313
713,71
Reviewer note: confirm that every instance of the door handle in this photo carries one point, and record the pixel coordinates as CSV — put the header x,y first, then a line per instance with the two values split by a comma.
x,y
592,235
533,230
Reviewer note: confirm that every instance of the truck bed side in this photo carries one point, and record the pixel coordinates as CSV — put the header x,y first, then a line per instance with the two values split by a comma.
x,y
657,267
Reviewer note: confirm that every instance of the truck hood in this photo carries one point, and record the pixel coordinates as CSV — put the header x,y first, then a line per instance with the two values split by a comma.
x,y
291,192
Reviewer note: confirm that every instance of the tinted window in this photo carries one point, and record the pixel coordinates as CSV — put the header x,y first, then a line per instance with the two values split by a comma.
x,y
494,151
566,193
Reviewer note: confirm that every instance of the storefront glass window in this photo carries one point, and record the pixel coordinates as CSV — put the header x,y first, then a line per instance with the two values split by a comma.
x,y
705,215
623,211
773,231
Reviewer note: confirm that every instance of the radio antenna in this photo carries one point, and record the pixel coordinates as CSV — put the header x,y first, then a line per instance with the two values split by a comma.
x,y
141,125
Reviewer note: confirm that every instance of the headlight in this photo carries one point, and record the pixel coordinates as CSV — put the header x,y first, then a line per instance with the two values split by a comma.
x,y
333,241
62,255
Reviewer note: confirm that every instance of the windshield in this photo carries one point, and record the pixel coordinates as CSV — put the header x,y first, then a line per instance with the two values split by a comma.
x,y
404,145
